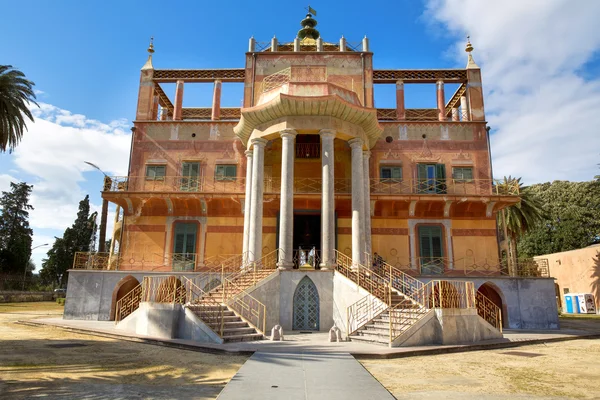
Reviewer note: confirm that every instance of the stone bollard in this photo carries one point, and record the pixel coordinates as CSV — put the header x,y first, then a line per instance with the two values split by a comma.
x,y
335,334
277,333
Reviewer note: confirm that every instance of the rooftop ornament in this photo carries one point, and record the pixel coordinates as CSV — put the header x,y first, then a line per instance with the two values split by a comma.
x,y
148,64
469,48
308,26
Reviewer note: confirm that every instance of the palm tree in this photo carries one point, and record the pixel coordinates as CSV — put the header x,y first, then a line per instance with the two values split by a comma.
x,y
518,219
16,92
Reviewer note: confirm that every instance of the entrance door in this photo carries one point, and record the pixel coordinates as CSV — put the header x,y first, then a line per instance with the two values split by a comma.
x,y
307,239
431,250
306,306
184,246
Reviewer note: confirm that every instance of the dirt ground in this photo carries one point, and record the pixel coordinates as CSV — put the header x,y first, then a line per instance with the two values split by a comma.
x,y
50,362
552,371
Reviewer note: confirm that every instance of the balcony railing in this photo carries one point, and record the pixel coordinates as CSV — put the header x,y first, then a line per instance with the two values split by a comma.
x,y
169,184
308,150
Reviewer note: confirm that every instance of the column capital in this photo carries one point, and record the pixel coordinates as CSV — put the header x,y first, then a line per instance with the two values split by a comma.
x,y
355,143
440,84
400,83
327,133
289,133
260,142
366,154
248,153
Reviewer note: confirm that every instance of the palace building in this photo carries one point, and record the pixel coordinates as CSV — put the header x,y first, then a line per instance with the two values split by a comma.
x,y
308,207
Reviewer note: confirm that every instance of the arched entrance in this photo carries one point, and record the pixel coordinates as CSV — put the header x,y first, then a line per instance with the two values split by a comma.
x,y
306,306
122,287
493,293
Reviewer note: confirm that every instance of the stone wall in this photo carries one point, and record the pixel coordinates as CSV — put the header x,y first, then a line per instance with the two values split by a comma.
x,y
20,297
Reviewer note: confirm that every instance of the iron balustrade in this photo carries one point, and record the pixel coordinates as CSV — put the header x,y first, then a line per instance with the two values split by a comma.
x,y
391,186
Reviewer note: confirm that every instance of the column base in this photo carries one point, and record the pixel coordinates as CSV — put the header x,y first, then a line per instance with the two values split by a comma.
x,y
285,266
327,267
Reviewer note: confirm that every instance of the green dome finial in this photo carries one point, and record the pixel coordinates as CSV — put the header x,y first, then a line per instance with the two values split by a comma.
x,y
308,28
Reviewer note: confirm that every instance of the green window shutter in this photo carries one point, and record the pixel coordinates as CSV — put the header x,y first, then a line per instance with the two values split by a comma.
x,y
185,238
422,171
397,173
230,171
440,171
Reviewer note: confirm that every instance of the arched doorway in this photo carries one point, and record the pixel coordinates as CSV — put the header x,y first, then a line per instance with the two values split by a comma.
x,y
493,293
122,287
306,306
170,290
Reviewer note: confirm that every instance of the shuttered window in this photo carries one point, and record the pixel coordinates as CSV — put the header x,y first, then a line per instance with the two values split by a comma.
x,y
431,178
155,172
462,174
225,172
190,172
390,173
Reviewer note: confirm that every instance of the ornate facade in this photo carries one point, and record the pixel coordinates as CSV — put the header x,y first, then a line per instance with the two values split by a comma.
x,y
309,175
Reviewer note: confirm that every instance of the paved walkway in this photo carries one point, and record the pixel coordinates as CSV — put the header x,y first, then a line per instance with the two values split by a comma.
x,y
303,376
318,342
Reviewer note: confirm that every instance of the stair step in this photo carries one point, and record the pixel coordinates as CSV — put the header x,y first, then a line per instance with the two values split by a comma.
x,y
227,332
369,340
243,338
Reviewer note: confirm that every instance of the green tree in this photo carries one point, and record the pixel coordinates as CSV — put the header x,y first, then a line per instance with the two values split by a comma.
x,y
16,93
15,233
571,221
79,237
518,219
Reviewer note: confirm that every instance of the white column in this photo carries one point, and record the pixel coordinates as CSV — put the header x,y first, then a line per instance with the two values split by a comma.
x,y
367,203
247,205
286,207
327,199
256,199
464,109
358,209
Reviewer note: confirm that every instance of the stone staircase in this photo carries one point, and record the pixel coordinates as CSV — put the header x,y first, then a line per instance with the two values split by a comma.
x,y
405,312
235,329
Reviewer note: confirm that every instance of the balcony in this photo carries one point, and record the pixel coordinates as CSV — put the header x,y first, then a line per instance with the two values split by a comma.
x,y
435,187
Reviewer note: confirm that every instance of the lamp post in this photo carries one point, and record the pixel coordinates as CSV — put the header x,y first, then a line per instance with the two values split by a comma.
x,y
27,265
104,213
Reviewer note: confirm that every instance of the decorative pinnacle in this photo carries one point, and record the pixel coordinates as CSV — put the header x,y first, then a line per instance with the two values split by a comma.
x,y
151,46
469,47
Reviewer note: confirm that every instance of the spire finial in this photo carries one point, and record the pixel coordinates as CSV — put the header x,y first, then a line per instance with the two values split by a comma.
x,y
148,64
469,48
151,46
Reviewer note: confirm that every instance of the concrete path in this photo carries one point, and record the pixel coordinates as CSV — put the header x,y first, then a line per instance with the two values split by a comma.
x,y
303,376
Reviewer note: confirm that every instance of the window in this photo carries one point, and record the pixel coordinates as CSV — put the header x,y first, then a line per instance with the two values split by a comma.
x,y
225,172
155,172
392,174
431,250
190,172
431,178
184,246
462,174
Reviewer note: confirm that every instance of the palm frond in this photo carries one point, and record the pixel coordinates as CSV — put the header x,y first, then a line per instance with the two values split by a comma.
x,y
16,95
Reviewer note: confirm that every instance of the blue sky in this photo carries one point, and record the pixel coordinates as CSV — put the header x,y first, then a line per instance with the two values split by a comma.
x,y
539,62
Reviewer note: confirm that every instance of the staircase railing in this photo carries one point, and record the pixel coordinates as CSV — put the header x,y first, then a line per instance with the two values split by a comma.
x,y
245,305
399,280
205,307
363,311
362,276
434,294
488,310
128,303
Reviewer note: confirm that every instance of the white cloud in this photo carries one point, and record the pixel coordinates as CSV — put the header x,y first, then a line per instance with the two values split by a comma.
x,y
52,155
544,113
54,150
